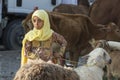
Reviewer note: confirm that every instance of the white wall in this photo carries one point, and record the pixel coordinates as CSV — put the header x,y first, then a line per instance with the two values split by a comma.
x,y
69,2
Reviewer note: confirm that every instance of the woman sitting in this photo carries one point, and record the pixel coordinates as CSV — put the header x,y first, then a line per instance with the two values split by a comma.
x,y
42,42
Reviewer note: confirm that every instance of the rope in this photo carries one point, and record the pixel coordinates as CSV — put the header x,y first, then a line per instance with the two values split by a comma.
x,y
70,61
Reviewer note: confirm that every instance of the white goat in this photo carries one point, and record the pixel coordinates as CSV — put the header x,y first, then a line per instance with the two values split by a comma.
x,y
45,71
93,70
113,47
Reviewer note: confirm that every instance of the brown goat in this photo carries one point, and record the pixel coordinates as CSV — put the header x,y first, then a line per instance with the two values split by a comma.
x,y
45,71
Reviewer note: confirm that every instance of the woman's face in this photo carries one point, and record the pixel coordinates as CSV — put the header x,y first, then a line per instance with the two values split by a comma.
x,y
37,22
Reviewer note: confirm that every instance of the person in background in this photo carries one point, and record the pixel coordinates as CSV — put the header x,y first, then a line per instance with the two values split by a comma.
x,y
42,43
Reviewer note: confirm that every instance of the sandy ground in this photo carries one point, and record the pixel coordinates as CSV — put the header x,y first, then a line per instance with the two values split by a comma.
x,y
9,63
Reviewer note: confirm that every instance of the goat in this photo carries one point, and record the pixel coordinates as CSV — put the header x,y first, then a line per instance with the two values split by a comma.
x,y
113,47
96,61
48,71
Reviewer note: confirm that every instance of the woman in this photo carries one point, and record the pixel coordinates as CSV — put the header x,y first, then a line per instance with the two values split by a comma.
x,y
42,42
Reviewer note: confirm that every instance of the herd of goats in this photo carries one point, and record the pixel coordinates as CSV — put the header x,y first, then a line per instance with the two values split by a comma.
x,y
93,35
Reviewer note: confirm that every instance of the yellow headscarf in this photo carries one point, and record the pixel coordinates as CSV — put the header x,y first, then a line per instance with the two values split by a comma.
x,y
40,35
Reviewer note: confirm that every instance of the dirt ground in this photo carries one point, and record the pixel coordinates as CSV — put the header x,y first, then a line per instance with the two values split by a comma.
x,y
9,63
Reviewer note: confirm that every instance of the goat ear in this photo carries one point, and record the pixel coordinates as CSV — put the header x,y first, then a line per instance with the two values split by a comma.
x,y
98,59
83,60
107,29
110,26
